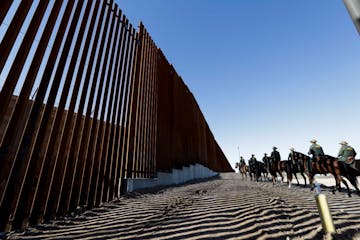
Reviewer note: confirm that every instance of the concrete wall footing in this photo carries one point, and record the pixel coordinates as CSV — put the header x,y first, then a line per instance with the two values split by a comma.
x,y
176,176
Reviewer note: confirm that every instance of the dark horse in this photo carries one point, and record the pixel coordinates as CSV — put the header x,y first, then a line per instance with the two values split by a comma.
x,y
297,166
329,164
278,167
256,170
261,170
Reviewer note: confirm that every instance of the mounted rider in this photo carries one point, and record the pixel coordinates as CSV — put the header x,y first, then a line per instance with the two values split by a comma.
x,y
252,162
292,161
266,162
317,153
276,158
242,161
346,153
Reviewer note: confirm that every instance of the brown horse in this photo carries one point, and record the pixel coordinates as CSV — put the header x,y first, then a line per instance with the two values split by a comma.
x,y
290,169
243,169
278,167
329,164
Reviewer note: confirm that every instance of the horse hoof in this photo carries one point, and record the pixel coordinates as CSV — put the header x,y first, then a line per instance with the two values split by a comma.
x,y
349,194
333,191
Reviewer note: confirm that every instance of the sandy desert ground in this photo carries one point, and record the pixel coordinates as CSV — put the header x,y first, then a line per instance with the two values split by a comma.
x,y
222,208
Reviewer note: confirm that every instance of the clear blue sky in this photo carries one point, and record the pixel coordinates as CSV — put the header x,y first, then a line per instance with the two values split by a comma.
x,y
265,73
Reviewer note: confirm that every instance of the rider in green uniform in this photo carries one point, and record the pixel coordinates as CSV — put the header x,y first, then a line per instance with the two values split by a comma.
x,y
317,153
346,153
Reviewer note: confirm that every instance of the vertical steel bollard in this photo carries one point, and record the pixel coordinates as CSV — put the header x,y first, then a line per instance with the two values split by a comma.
x,y
324,211
353,7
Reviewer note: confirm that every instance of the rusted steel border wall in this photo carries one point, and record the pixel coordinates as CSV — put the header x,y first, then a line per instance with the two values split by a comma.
x,y
87,101
183,136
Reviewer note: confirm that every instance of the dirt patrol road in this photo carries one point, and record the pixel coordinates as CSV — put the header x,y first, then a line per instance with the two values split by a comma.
x,y
222,208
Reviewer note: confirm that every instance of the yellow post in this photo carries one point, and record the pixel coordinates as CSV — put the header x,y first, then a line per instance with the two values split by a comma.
x,y
324,211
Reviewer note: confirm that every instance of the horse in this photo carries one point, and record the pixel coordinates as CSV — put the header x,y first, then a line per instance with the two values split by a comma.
x,y
262,169
254,170
276,167
243,169
350,170
257,170
329,164
356,164
297,167
265,171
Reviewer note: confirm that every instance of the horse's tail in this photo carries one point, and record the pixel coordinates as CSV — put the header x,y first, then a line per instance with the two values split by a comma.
x,y
350,173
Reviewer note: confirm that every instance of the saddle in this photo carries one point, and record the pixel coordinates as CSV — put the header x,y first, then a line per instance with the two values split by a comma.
x,y
348,160
318,159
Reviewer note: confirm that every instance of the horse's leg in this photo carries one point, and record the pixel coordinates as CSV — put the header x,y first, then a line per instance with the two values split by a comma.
x,y
351,176
353,182
311,181
302,174
282,177
337,186
274,179
356,187
289,178
347,186
297,180
260,176
317,166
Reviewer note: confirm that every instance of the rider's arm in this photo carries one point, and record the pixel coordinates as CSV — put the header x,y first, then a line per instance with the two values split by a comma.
x,y
341,152
311,151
